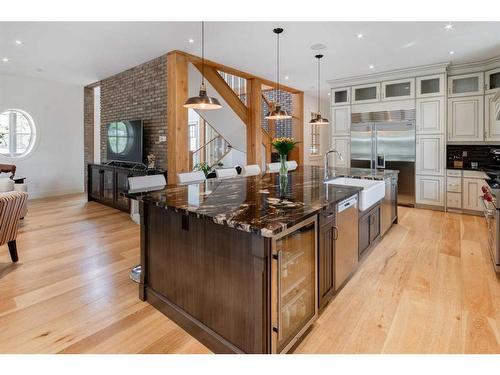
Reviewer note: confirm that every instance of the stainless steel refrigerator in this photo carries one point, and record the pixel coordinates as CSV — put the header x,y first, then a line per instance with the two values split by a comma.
x,y
386,140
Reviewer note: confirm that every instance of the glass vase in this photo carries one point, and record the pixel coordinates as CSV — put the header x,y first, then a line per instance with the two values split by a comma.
x,y
283,165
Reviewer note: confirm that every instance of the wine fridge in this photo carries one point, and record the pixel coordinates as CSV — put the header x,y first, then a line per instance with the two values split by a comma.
x,y
294,284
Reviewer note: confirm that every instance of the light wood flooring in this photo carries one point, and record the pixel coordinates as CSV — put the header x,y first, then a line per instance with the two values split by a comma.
x,y
428,287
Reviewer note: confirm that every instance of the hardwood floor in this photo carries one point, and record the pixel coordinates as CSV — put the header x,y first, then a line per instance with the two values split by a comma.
x,y
428,287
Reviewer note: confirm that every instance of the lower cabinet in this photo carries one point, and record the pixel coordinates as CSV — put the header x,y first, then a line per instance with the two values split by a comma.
x,y
430,190
369,228
471,194
342,145
326,263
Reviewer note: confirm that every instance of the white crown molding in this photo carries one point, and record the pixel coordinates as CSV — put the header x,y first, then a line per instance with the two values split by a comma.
x,y
473,67
423,70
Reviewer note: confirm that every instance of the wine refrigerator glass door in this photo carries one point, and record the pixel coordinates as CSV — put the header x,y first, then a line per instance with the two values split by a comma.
x,y
294,284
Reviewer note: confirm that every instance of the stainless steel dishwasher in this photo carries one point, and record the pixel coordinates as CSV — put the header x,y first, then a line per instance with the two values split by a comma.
x,y
346,245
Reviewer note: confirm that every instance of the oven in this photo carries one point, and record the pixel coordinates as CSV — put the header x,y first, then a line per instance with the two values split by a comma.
x,y
492,215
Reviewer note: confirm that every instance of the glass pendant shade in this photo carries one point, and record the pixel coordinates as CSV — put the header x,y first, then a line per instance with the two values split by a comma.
x,y
278,114
202,101
317,119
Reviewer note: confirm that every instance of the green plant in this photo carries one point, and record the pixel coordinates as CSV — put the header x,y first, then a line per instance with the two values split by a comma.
x,y
284,145
206,168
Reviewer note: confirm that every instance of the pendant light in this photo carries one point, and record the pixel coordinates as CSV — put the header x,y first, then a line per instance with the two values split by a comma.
x,y
317,119
202,101
277,113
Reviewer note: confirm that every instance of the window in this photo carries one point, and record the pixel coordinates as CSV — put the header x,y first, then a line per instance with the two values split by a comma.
x,y
17,133
119,137
314,149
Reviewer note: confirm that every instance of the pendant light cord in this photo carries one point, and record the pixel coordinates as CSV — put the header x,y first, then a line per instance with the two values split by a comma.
x,y
278,95
318,82
202,52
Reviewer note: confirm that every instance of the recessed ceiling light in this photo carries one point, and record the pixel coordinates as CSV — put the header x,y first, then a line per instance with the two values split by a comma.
x,y
39,70
371,66
329,93
5,59
452,52
360,36
448,27
18,42
191,40
286,77
318,46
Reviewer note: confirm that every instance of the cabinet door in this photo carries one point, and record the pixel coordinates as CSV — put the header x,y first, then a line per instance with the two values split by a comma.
x,y
342,145
431,86
122,187
466,85
341,120
108,192
400,89
366,93
341,96
431,157
364,234
374,224
465,119
430,115
430,190
453,200
471,193
326,265
491,122
96,186
492,80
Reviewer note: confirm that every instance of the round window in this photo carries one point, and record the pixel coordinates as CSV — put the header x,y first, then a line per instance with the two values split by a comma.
x,y
17,133
120,137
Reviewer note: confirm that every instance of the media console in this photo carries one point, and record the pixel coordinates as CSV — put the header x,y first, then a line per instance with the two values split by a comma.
x,y
107,182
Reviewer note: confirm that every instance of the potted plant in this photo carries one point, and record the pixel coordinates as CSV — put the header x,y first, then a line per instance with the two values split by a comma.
x,y
206,168
283,145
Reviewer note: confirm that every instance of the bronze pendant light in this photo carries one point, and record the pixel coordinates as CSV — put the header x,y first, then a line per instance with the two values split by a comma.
x,y
277,113
317,119
202,101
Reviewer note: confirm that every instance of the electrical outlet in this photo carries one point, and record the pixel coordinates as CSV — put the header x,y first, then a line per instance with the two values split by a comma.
x,y
162,138
464,154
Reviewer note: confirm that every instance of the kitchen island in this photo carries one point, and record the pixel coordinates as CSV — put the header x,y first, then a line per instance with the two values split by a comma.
x,y
234,262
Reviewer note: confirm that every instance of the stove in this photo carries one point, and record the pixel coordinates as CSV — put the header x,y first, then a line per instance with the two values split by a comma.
x,y
491,212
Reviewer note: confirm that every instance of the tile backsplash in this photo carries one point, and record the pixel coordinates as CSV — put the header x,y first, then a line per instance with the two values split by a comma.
x,y
468,153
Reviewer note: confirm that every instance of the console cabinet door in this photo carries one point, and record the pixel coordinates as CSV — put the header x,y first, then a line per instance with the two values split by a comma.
x,y
471,194
465,119
96,182
431,155
326,264
491,123
341,121
430,115
108,192
430,190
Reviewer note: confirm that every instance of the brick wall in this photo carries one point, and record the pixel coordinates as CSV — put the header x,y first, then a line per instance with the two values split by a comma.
x,y
139,93
88,128
283,128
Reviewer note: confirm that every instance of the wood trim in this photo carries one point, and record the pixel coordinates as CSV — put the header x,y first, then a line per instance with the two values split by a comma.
x,y
227,69
177,116
297,153
227,93
254,126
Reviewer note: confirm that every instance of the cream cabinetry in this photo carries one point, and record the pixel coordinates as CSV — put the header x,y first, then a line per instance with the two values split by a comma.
x,y
341,96
342,145
430,155
430,190
466,85
429,86
365,93
398,89
466,119
491,122
430,114
471,193
341,121
492,81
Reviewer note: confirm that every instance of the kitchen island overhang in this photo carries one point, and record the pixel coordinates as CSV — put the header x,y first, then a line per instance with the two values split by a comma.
x,y
208,252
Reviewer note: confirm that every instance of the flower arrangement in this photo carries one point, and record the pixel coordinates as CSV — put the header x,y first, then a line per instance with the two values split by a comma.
x,y
284,145
206,168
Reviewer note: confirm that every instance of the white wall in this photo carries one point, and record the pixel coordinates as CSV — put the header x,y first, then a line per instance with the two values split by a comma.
x,y
311,105
55,166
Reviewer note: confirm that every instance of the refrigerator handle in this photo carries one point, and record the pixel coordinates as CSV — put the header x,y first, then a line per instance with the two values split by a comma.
x,y
374,147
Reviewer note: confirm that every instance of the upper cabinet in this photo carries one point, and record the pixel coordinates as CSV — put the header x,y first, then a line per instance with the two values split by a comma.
x,y
466,119
341,120
431,86
491,120
341,96
400,89
366,93
466,85
430,115
492,80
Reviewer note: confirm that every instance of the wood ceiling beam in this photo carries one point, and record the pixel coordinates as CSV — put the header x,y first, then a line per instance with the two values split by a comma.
x,y
227,69
227,93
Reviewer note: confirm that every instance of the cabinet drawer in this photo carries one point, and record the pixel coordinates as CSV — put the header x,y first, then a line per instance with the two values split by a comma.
x,y
327,215
475,174
454,184
454,172
454,200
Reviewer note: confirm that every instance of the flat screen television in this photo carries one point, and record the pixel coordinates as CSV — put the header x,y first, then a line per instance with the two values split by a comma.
x,y
125,141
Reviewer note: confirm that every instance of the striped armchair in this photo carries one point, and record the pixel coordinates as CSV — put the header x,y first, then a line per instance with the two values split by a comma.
x,y
11,207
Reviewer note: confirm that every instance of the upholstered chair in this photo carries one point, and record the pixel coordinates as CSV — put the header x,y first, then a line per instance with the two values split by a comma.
x,y
11,208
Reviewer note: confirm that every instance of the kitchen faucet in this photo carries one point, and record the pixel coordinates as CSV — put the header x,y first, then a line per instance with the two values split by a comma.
x,y
326,161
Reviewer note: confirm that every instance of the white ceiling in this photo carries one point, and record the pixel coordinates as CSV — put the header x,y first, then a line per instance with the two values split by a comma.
x,y
85,52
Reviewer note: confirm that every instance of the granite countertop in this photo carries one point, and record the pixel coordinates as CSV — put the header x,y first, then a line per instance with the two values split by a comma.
x,y
258,204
